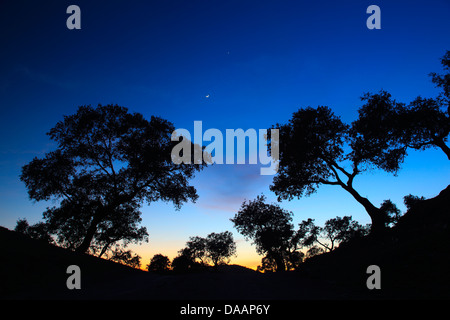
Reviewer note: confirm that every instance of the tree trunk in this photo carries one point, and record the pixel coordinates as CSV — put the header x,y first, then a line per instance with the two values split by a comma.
x,y
376,214
84,246
105,247
441,144
281,266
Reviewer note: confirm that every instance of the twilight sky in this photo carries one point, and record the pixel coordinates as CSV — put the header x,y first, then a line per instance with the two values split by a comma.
x,y
230,64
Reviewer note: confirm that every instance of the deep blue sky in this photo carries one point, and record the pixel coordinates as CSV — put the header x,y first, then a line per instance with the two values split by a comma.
x,y
258,61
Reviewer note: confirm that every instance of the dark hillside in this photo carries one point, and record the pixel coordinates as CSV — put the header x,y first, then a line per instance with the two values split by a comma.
x,y
35,270
414,256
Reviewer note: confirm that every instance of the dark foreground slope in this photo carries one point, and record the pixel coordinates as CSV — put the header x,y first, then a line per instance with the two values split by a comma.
x,y
414,256
35,270
31,269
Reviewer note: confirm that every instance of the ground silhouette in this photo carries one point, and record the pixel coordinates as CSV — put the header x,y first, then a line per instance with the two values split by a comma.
x,y
414,258
37,270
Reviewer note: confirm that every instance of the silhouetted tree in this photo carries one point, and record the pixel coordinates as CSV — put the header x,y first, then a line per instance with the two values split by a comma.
x,y
183,262
335,231
159,263
123,228
314,251
307,233
270,228
37,231
443,80
215,248
268,264
339,230
126,257
195,249
312,152
410,201
107,163
294,259
22,226
427,125
378,131
385,129
220,247
393,213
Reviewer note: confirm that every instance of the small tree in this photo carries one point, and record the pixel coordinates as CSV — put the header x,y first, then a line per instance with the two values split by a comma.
x,y
220,247
215,248
183,262
314,251
196,249
411,201
126,257
159,263
268,264
269,227
393,213
339,230
335,231
37,231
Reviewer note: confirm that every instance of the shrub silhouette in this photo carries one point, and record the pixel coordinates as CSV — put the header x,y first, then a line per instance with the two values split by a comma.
x,y
220,247
271,229
159,263
126,257
335,231
37,231
216,248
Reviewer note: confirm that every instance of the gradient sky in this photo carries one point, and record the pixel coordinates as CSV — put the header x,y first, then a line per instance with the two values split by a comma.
x,y
231,64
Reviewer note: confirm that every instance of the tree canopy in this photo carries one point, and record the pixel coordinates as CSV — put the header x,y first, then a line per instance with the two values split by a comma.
x,y
271,229
315,150
216,248
335,231
220,247
107,163
386,129
159,263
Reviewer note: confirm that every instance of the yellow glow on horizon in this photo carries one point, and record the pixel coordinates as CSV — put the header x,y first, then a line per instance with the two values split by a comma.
x,y
246,254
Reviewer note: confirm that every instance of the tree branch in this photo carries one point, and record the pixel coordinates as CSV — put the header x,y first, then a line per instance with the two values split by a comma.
x,y
324,245
340,182
95,158
334,163
334,183
352,176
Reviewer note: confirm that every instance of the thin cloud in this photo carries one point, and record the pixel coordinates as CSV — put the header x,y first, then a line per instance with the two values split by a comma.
x,y
226,187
